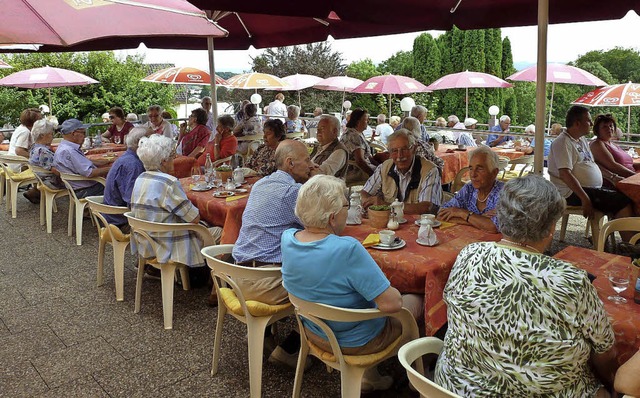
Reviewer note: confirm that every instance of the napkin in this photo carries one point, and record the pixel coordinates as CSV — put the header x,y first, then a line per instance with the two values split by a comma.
x,y
371,240
446,224
426,235
236,197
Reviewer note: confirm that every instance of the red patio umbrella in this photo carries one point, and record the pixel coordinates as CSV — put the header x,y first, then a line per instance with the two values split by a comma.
x,y
183,75
558,73
468,80
66,23
389,84
627,94
46,77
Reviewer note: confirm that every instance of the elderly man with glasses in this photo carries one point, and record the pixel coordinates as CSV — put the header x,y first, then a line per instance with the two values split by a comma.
x,y
404,177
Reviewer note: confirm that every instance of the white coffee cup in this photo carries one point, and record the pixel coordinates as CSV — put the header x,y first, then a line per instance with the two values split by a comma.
x,y
461,146
387,237
427,219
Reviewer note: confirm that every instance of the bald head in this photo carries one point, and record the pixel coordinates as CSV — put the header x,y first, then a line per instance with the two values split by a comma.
x,y
292,157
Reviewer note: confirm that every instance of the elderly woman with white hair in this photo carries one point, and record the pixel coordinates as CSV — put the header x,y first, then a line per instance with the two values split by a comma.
x,y
424,149
41,155
520,323
321,266
475,204
158,196
293,123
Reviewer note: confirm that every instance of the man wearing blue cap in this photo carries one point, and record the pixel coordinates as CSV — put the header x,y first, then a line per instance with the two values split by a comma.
x,y
70,159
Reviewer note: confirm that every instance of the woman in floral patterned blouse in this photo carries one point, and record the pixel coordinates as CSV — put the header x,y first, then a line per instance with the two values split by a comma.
x,y
41,154
522,324
263,160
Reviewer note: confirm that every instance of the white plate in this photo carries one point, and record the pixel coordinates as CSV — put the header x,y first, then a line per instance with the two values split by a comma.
x,y
202,188
397,246
223,194
418,241
241,190
435,223
404,220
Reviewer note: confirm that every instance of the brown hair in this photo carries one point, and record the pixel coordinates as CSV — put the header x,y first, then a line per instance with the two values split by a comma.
x,y
602,119
29,116
116,110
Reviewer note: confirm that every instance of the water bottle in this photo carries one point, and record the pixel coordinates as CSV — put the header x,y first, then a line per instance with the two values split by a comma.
x,y
636,293
97,142
208,169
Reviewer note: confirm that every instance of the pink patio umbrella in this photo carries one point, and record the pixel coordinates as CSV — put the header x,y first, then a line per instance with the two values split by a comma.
x,y
69,22
468,80
558,73
299,82
627,94
4,65
46,77
389,84
184,75
338,83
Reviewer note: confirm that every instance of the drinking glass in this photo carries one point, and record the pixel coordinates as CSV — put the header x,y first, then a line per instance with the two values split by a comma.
x,y
196,173
619,279
116,139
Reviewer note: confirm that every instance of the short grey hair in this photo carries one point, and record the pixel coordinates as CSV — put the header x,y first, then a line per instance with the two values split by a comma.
x,y
318,198
154,150
492,158
334,122
413,125
133,138
453,119
528,208
40,128
504,118
155,108
132,117
293,111
381,118
418,110
402,133
530,129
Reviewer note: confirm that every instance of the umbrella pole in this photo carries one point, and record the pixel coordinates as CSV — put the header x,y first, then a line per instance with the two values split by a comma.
x,y
629,123
299,102
389,105
541,82
51,106
186,101
553,88
342,106
466,103
212,74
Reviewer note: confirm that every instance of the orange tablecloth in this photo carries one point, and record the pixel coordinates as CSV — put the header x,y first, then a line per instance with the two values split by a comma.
x,y
217,211
104,148
625,318
630,186
419,269
101,156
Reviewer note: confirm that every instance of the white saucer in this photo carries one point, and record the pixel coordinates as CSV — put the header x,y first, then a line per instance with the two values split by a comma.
x,y
404,220
435,224
202,188
418,241
395,247
241,190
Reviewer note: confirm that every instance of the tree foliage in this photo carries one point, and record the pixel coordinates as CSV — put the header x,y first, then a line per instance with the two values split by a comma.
x,y
400,63
119,85
427,63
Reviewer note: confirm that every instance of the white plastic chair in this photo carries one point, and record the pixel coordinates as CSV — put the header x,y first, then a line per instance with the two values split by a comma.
x,y
141,229
76,206
256,315
109,233
620,224
48,197
351,367
594,222
412,352
14,180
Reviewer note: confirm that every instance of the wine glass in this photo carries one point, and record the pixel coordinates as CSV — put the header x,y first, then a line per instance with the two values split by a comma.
x,y
619,279
116,139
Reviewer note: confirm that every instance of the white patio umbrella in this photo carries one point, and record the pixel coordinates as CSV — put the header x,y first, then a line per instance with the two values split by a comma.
x,y
46,77
338,83
299,82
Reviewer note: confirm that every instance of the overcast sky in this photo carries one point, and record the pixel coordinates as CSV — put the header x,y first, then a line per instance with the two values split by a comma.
x,y
566,42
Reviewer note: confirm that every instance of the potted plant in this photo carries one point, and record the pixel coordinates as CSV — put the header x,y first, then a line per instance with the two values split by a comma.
x,y
378,215
224,172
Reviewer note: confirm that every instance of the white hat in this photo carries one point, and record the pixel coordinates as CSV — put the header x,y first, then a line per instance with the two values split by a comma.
x,y
468,122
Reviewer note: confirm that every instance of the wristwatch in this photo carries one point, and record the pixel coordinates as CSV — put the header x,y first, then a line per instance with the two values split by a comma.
x,y
469,215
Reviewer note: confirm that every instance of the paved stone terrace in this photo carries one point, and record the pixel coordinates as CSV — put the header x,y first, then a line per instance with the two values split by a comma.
x,y
60,335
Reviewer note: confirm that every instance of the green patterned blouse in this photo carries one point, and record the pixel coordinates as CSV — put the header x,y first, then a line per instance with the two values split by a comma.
x,y
520,325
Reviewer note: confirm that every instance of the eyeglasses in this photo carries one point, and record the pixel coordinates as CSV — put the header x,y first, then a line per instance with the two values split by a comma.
x,y
396,151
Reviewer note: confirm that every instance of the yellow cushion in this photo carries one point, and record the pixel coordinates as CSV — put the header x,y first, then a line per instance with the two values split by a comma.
x,y
255,308
355,360
22,176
